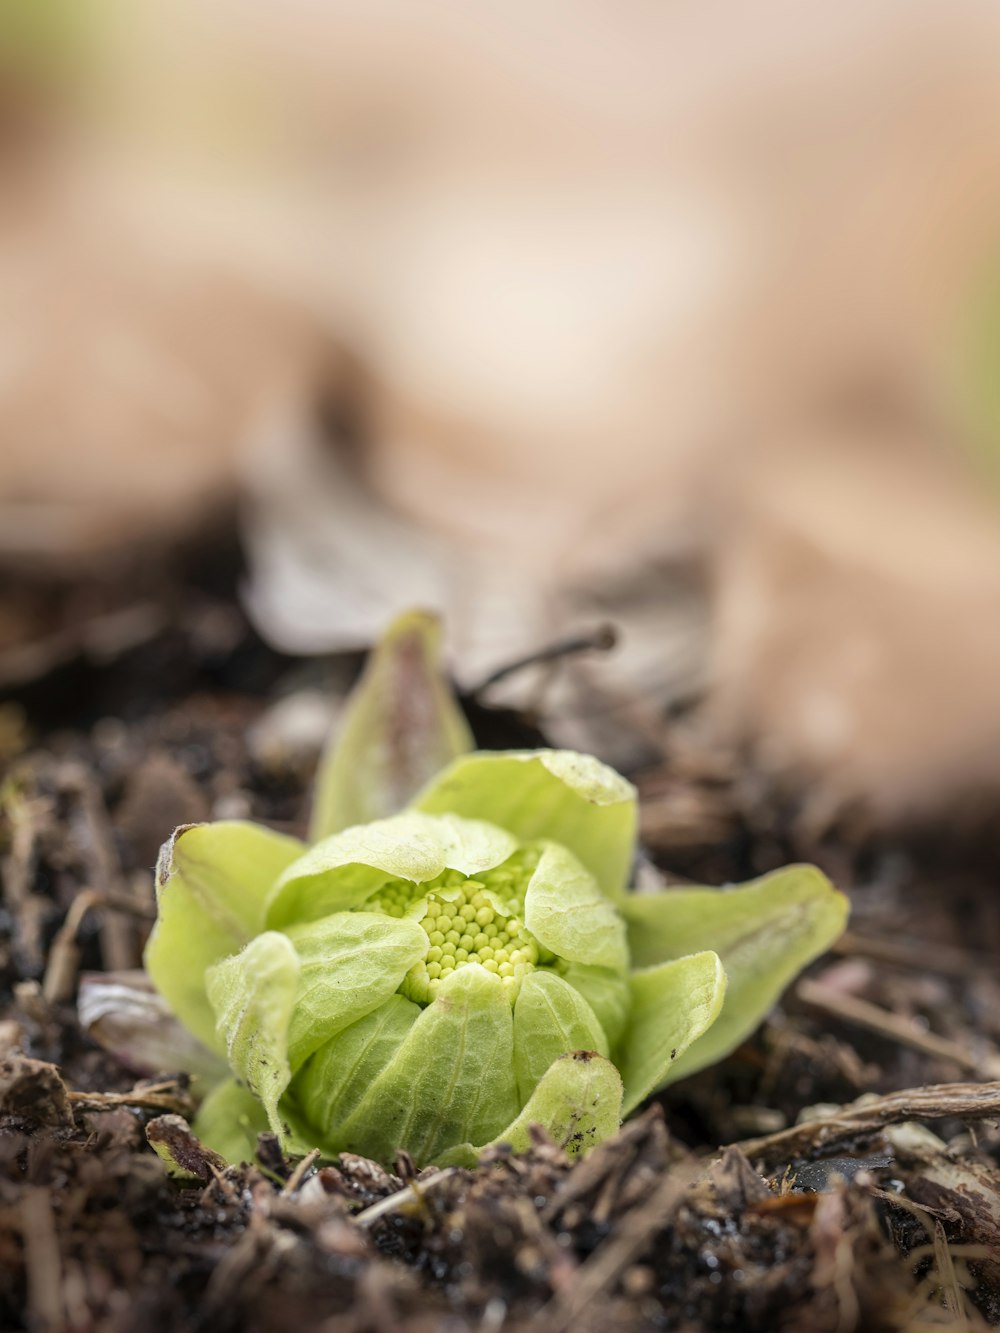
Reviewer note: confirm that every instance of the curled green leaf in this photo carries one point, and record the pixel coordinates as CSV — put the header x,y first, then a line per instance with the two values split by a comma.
x,y
550,1019
350,963
608,995
253,995
672,1005
765,932
450,1081
568,798
566,912
578,1104
343,871
212,881
338,1077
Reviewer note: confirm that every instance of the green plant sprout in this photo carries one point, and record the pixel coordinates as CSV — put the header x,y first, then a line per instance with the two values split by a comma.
x,y
439,978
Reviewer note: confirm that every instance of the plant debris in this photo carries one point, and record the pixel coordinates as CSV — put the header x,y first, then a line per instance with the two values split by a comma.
x,y
639,1234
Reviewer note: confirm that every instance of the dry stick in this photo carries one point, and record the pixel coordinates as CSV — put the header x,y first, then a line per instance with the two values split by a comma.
x,y
302,1167
63,962
25,817
951,1289
864,1119
917,955
931,1286
894,1026
156,1097
635,1233
412,1193
942,1273
600,640
119,946
43,1261
591,1172
135,907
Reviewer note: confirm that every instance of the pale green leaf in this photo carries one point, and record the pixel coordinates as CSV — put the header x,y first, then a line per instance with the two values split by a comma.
x,y
351,963
558,795
402,725
577,1103
451,1081
343,871
253,994
229,1120
550,1019
606,992
672,1005
765,932
212,881
473,846
566,912
335,1080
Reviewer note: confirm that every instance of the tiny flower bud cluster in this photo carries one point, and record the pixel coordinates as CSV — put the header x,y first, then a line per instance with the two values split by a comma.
x,y
463,924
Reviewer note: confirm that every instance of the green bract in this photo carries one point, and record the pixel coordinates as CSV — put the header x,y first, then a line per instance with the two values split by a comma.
x,y
443,978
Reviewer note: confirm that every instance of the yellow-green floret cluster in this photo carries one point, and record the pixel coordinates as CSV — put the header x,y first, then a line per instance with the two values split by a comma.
x,y
466,921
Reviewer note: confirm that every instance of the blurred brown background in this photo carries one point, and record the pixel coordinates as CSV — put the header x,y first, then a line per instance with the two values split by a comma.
x,y
544,315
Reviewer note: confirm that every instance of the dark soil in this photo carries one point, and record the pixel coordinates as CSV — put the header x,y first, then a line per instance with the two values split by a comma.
x,y
137,697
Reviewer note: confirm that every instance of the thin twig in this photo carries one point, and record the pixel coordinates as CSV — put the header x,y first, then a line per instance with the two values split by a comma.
x,y
600,640
917,955
633,1236
953,1297
895,1027
26,818
302,1168
43,1261
156,1097
63,962
411,1193
119,946
866,1118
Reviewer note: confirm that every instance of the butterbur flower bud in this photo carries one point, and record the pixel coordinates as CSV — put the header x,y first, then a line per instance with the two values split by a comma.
x,y
441,979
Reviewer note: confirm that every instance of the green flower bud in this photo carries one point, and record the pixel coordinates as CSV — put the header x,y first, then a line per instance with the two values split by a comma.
x,y
444,978
422,981
465,924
